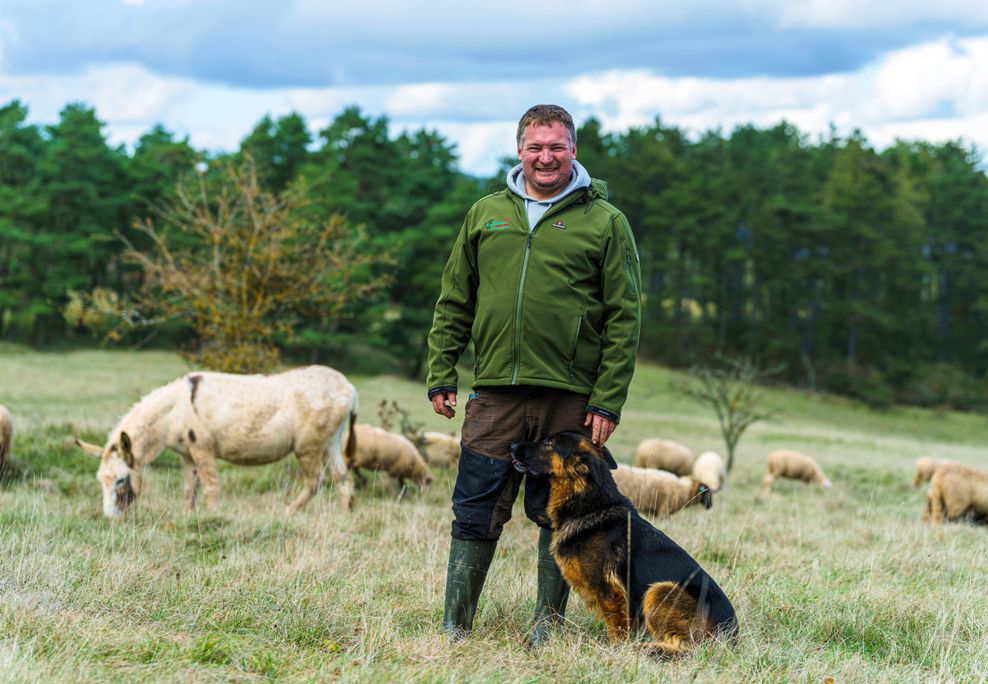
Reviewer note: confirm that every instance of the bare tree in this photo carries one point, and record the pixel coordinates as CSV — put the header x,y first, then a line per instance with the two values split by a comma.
x,y
730,389
242,267
412,430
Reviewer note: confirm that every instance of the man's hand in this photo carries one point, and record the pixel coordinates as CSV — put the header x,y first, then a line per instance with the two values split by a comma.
x,y
439,403
602,427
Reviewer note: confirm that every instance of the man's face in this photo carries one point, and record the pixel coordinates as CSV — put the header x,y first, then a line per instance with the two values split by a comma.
x,y
546,155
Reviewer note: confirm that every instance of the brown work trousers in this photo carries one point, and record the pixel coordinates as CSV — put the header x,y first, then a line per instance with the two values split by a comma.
x,y
487,484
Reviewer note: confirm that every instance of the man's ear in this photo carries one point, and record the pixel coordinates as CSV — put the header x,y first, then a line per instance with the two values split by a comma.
x,y
605,452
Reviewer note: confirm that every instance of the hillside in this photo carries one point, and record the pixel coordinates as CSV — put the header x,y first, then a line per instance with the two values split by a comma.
x,y
844,583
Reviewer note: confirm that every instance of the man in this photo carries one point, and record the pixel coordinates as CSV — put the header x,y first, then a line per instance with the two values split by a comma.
x,y
544,278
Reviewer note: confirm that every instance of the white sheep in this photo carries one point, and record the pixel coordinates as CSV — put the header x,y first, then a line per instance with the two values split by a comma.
x,y
795,466
709,469
441,448
664,454
956,491
6,434
378,449
925,467
658,492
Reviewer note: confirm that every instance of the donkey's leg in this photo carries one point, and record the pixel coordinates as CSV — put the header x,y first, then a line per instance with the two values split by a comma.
x,y
341,476
205,463
191,474
311,462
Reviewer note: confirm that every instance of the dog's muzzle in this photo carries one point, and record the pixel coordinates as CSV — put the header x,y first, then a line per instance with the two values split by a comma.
x,y
518,453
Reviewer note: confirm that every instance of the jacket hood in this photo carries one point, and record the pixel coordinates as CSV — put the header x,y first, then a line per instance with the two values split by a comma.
x,y
581,179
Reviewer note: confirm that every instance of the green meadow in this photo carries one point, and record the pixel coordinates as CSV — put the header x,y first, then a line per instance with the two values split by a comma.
x,y
844,583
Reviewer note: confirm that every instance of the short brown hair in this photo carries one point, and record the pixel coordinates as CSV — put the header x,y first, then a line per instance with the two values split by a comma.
x,y
545,115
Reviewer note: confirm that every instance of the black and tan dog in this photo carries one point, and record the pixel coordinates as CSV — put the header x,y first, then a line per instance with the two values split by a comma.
x,y
629,577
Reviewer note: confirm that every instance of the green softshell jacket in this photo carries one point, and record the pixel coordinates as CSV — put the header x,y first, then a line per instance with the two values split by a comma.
x,y
557,306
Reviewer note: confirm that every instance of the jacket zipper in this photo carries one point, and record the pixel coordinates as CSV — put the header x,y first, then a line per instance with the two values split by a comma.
x,y
518,298
631,277
524,272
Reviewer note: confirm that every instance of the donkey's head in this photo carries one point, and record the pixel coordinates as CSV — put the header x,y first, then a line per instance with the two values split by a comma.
x,y
120,481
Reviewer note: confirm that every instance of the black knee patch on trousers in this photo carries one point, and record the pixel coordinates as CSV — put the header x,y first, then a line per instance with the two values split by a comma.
x,y
484,493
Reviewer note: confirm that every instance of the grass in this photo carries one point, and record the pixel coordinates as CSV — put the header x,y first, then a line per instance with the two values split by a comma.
x,y
845,583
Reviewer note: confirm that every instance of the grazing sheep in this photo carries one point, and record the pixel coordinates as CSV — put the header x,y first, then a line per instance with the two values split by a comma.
x,y
657,492
925,468
957,491
795,466
441,448
378,449
664,454
242,419
710,470
6,434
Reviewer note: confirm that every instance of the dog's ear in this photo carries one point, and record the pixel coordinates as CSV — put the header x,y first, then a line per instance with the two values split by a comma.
x,y
605,452
706,496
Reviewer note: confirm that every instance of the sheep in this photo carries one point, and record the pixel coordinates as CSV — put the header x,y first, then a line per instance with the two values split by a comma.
x,y
6,435
795,466
956,491
378,449
658,492
925,468
441,448
664,454
710,470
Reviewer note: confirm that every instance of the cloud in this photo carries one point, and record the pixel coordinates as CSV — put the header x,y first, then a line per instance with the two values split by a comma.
x,y
876,14
317,44
937,90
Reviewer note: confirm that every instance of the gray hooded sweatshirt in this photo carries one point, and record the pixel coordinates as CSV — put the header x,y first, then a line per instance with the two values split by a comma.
x,y
535,208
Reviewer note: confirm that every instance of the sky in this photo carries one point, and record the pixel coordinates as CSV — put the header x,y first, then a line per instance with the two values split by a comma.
x,y
209,70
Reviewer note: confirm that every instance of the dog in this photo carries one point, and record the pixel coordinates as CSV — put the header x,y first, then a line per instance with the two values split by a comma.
x,y
624,569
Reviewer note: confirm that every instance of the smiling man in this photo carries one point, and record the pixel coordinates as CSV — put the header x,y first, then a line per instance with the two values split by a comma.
x,y
544,278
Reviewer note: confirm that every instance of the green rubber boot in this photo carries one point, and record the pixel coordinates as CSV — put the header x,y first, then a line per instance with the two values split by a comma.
x,y
551,594
465,575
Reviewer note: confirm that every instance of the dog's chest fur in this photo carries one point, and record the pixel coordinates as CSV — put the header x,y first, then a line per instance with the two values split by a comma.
x,y
589,551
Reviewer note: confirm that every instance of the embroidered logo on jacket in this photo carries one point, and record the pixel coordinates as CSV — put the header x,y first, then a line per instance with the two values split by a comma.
x,y
497,225
560,225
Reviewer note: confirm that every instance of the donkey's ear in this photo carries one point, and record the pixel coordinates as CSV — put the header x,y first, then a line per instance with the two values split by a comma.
x,y
606,453
87,447
126,450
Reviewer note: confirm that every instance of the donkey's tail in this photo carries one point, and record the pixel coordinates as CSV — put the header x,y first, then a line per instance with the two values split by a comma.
x,y
351,441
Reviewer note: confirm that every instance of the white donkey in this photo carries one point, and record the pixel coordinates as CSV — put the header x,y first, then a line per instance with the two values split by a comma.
x,y
243,419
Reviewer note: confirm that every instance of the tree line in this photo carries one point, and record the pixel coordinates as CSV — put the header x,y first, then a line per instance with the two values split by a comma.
x,y
860,271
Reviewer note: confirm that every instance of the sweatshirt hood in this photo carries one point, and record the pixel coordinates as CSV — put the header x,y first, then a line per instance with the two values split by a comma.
x,y
516,183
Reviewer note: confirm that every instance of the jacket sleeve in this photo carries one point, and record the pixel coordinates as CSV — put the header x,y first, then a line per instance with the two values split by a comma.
x,y
621,291
452,319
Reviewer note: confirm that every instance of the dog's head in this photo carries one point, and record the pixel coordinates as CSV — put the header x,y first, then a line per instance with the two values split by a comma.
x,y
564,454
